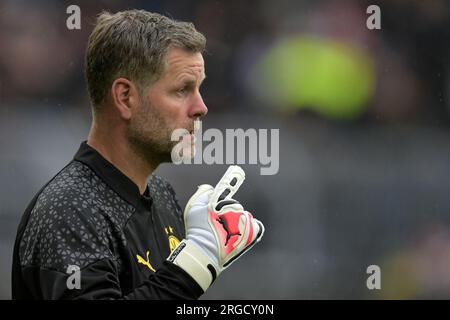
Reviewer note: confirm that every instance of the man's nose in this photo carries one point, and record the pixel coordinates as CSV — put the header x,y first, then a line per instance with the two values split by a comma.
x,y
198,109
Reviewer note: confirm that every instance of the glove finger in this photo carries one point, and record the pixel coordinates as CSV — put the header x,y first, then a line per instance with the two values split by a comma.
x,y
200,197
252,232
228,185
258,228
228,205
246,230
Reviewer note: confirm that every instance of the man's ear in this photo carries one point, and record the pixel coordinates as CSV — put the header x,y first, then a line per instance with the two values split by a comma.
x,y
125,97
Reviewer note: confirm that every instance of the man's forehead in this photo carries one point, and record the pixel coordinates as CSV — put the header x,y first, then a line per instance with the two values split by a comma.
x,y
180,60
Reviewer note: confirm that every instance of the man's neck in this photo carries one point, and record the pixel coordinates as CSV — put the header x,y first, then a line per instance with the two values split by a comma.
x,y
117,151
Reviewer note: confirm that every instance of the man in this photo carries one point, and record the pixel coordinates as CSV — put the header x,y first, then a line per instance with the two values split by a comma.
x,y
101,229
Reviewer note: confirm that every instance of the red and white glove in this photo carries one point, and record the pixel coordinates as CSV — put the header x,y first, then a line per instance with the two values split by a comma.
x,y
218,230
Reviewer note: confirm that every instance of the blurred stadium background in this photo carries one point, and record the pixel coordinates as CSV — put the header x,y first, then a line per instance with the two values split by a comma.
x,y
364,119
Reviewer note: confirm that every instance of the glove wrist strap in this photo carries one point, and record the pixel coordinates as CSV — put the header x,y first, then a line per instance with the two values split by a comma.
x,y
189,257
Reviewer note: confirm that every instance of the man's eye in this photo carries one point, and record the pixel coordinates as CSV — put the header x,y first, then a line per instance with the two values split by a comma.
x,y
183,91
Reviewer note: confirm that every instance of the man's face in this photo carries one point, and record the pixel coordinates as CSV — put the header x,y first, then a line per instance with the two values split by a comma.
x,y
170,103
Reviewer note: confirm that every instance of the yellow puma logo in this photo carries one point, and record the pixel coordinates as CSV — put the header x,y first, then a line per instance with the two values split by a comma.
x,y
173,241
145,262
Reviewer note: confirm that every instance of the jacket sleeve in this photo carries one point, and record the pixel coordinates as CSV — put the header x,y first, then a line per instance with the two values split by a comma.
x,y
99,280
53,241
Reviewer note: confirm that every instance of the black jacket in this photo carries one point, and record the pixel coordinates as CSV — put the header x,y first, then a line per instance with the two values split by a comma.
x,y
90,221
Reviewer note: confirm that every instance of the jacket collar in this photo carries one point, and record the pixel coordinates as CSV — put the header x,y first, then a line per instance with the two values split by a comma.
x,y
112,176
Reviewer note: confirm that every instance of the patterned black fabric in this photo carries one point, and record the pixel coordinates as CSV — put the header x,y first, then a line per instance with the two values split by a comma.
x,y
92,216
75,207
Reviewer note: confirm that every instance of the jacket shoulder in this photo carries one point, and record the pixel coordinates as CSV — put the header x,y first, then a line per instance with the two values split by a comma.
x,y
65,226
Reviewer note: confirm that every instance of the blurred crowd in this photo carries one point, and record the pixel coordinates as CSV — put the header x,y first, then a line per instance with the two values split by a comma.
x,y
404,76
364,119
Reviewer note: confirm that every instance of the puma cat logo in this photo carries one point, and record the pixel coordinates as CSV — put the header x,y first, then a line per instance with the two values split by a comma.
x,y
223,222
145,262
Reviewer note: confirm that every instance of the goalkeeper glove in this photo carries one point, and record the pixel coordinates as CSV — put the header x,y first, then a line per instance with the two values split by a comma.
x,y
218,230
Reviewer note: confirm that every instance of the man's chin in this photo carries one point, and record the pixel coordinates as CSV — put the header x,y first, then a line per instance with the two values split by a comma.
x,y
184,151
188,147
154,154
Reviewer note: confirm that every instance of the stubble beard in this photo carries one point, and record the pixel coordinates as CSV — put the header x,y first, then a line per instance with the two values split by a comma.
x,y
149,135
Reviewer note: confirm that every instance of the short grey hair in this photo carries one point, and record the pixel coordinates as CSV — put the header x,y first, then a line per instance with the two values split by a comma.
x,y
132,44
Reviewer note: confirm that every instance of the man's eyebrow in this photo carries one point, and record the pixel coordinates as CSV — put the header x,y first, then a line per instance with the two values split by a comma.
x,y
192,80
